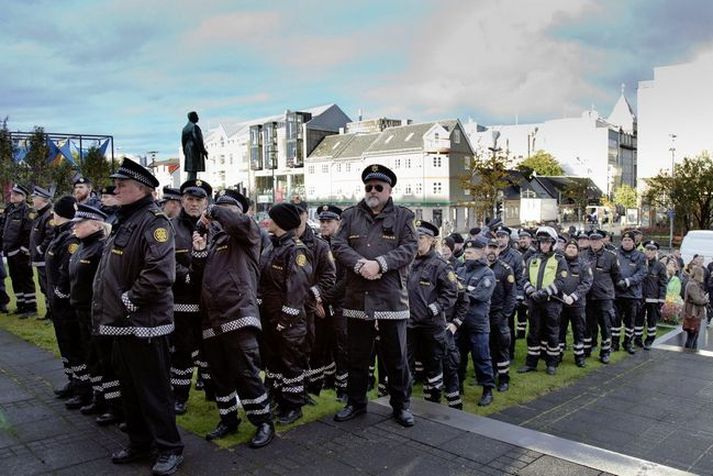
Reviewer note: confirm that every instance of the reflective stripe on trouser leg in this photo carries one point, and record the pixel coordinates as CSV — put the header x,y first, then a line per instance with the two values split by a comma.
x,y
227,406
340,381
96,381
454,400
111,389
181,381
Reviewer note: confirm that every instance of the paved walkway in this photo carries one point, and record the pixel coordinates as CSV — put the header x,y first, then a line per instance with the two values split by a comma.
x,y
39,436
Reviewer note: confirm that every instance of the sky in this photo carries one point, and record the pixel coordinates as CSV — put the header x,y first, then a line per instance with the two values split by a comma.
x,y
134,68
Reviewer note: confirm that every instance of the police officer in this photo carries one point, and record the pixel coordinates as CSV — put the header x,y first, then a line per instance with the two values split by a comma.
x,y
574,294
455,317
16,245
502,303
525,248
628,291
84,192
513,258
376,243
654,294
432,291
41,234
479,282
227,272
133,301
171,202
333,298
186,338
284,283
600,299
109,204
546,272
323,278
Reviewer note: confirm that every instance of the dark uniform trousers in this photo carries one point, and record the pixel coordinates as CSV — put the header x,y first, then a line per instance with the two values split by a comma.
x,y
285,361
234,360
600,313
517,323
91,351
143,366
339,351
71,345
500,341
23,284
185,339
543,333
361,348
42,280
574,316
626,311
317,347
377,368
648,315
432,343
451,364
477,343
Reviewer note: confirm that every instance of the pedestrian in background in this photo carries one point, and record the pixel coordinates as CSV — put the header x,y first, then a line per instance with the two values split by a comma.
x,y
694,306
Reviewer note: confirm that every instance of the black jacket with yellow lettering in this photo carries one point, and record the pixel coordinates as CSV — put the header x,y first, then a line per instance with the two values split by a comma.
x,y
285,278
504,298
432,290
82,268
389,238
59,251
41,235
323,270
16,230
133,293
187,287
227,272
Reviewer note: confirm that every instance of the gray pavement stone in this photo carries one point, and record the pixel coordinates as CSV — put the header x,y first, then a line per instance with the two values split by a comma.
x,y
548,466
477,448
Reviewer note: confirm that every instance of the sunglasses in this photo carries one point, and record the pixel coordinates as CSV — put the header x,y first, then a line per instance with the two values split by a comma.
x,y
379,188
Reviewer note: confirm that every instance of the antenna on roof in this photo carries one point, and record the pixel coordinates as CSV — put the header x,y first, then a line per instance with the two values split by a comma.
x,y
359,114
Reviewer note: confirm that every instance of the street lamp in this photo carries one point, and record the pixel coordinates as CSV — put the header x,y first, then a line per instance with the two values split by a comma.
x,y
671,211
495,149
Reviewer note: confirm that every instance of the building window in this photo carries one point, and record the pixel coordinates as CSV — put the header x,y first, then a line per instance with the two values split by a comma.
x,y
408,163
339,168
419,189
407,189
347,167
311,192
310,169
397,163
437,187
436,161
325,168
456,136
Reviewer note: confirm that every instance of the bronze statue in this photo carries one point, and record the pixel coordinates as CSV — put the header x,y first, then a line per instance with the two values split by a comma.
x,y
193,148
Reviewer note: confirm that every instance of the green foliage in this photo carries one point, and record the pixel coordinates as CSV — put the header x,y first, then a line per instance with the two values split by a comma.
x,y
689,192
542,163
96,168
484,180
625,196
577,193
6,154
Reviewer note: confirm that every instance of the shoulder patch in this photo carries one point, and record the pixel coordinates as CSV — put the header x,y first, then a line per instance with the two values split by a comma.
x,y
32,215
160,234
452,276
301,260
72,248
511,278
486,282
563,274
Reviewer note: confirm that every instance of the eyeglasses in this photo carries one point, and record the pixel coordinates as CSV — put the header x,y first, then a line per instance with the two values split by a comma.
x,y
379,188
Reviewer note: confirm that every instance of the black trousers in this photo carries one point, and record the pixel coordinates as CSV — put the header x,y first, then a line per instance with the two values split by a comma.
x,y
143,366
627,311
393,336
285,362
573,315
318,335
600,314
543,331
185,341
500,340
111,389
451,363
339,351
234,360
23,284
648,315
91,350
72,347
42,280
432,343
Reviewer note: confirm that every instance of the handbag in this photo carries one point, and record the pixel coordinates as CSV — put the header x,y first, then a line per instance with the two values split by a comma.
x,y
691,323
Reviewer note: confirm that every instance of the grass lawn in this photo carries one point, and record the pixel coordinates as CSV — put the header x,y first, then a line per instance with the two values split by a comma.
x,y
202,416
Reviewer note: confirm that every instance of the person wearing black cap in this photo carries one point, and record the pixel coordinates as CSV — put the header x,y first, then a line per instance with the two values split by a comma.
x,y
225,266
474,232
171,202
458,242
133,301
527,250
194,151
285,280
377,243
16,245
654,296
432,291
574,294
329,219
186,337
455,317
514,259
479,282
91,229
502,304
323,278
628,292
64,318
83,192
109,203
600,299
41,234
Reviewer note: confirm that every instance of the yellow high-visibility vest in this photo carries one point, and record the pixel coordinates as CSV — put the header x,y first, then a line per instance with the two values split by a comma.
x,y
549,275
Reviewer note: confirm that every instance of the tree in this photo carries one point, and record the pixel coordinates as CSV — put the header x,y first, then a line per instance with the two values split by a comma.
x,y
96,168
542,163
484,180
577,192
35,169
7,151
689,193
625,196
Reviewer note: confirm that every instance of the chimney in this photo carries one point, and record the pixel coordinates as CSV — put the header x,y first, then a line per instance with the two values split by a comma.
x,y
359,114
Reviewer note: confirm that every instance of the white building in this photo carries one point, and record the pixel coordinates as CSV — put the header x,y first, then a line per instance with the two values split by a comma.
x,y
603,149
677,101
167,172
429,160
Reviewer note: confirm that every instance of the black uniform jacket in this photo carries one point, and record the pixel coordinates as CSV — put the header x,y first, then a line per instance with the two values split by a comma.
x,y
228,270
459,311
133,286
504,298
334,296
16,232
390,239
578,281
605,267
432,290
187,288
632,265
479,282
82,268
323,268
656,281
41,235
515,260
60,249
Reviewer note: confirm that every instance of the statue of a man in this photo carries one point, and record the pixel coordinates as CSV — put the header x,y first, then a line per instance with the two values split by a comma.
x,y
193,148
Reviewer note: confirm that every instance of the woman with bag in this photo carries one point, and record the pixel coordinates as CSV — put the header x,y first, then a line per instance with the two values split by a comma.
x,y
694,306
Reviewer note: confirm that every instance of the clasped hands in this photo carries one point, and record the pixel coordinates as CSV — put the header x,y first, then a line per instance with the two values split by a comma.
x,y
369,269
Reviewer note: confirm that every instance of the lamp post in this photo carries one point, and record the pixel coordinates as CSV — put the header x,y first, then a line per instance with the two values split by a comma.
x,y
495,149
671,211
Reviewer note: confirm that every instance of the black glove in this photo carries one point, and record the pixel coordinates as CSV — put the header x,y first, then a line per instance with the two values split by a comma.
x,y
540,296
621,284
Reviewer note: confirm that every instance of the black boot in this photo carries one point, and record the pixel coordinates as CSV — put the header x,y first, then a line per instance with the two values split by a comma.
x,y
487,397
221,431
263,436
615,344
65,392
96,407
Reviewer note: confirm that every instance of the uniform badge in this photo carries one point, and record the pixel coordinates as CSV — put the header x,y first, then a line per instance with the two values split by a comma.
x,y
563,274
486,282
511,278
72,248
374,168
325,208
301,260
160,235
451,276
198,183
418,223
32,215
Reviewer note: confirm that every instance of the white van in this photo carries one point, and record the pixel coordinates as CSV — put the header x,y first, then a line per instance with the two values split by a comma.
x,y
697,242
